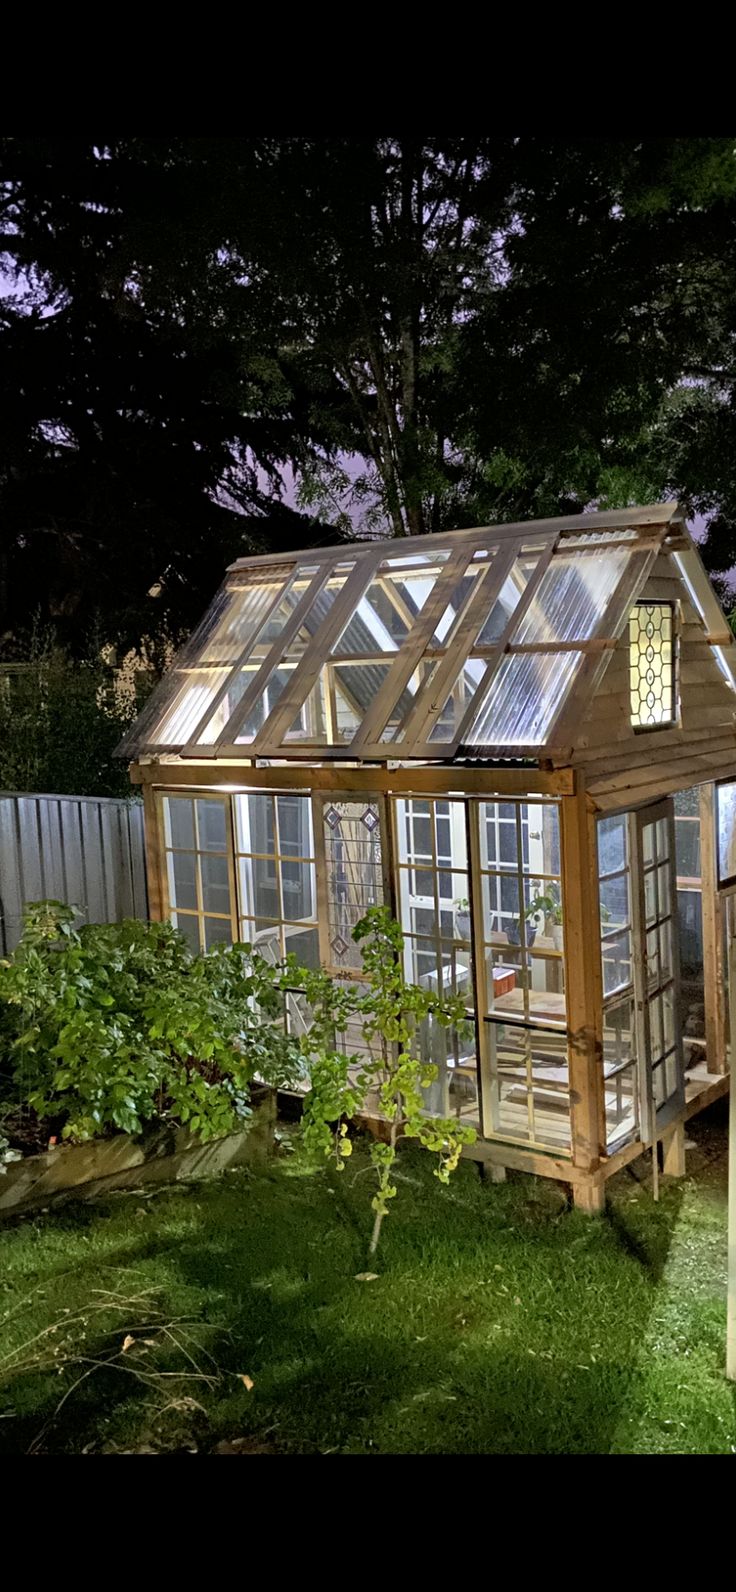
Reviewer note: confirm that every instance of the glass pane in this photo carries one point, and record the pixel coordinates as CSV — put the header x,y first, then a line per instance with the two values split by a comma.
x,y
258,887
614,901
283,612
653,965
531,1100
254,824
310,722
458,701
217,931
196,691
687,847
524,699
243,618
455,1091
179,822
189,927
304,944
655,1029
690,912
612,844
294,814
215,884
507,601
446,624
298,889
650,895
384,617
572,597
616,958
501,914
264,937
726,803
182,871
171,695
668,1019
211,826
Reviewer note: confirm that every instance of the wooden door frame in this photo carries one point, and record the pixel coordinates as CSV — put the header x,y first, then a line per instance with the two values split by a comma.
x,y
654,1120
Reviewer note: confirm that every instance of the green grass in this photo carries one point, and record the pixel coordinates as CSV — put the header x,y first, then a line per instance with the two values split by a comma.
x,y
500,1321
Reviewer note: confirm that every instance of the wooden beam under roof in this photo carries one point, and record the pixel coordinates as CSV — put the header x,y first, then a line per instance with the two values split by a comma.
x,y
402,547
461,780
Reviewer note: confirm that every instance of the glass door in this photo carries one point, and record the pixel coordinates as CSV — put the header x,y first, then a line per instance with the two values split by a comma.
x,y
656,968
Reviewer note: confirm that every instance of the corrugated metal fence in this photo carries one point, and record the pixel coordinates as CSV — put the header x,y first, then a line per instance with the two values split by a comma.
x,y
85,850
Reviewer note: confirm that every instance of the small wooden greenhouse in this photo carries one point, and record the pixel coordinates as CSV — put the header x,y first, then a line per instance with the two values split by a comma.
x,y
523,740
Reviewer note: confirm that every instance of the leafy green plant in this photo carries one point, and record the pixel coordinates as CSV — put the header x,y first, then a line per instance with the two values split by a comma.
x,y
545,901
116,1026
390,1080
61,718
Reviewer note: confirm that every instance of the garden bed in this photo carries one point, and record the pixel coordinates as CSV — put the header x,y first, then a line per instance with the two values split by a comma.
x,y
163,1155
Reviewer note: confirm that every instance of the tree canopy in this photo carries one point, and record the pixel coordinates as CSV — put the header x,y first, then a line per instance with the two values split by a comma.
x,y
429,331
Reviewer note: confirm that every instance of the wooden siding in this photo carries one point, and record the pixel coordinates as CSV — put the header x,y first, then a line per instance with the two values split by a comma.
x,y
624,766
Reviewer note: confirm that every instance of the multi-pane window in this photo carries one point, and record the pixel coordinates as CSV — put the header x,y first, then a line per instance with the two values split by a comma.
x,y
620,1069
270,901
726,808
690,918
518,962
525,1017
434,909
522,910
659,972
275,873
652,664
198,869
434,894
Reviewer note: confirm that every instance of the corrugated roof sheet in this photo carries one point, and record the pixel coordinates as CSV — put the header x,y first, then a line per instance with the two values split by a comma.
x,y
466,646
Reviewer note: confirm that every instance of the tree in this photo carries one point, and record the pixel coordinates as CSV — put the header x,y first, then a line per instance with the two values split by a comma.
x,y
431,332
139,444
497,327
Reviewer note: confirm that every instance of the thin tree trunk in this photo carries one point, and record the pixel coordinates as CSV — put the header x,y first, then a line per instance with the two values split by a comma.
x,y
378,1223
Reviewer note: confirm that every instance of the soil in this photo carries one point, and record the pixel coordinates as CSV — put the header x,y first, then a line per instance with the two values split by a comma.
x,y
29,1133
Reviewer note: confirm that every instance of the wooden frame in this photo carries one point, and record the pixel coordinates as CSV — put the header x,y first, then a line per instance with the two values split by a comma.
x,y
673,718
714,961
588,1164
623,778
654,1118
199,913
505,547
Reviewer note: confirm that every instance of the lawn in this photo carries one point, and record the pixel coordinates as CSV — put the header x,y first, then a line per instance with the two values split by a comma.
x,y
499,1322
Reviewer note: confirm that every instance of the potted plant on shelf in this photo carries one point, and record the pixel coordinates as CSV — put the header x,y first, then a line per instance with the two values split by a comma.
x,y
554,923
462,919
539,902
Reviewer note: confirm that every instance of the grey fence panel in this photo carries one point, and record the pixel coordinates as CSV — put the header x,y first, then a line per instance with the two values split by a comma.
x,y
85,850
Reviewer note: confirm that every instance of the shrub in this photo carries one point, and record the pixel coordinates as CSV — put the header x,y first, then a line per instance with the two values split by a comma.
x,y
61,718
115,1026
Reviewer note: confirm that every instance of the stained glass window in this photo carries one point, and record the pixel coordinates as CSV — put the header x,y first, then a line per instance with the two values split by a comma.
x,y
652,665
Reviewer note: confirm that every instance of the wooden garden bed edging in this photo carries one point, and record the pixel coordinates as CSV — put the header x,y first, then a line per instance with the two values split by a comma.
x,y
163,1155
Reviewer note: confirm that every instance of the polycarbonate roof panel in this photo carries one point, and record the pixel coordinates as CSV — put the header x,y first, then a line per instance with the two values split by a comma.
x,y
471,638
